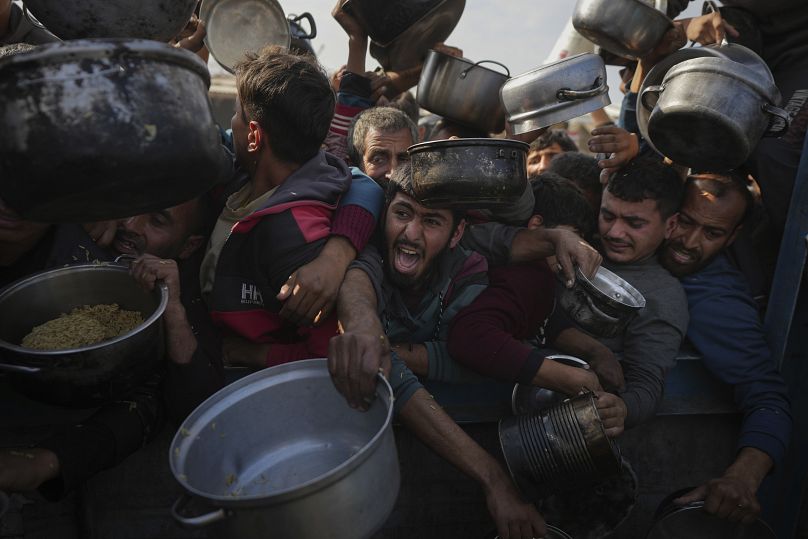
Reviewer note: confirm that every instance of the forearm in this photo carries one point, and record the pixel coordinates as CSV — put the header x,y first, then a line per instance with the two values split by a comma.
x,y
414,356
531,245
340,252
181,342
750,466
357,304
357,54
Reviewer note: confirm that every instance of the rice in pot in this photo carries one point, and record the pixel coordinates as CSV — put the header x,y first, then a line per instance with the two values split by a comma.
x,y
82,327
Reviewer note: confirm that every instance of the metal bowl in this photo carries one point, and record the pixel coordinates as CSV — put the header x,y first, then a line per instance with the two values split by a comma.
x,y
145,19
552,533
526,399
238,26
603,305
555,92
89,374
693,522
628,28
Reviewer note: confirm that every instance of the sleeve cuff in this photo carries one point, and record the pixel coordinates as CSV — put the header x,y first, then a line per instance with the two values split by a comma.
x,y
354,223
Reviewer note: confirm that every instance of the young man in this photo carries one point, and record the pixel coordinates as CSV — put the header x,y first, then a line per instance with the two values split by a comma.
x,y
725,328
545,148
279,223
637,213
416,286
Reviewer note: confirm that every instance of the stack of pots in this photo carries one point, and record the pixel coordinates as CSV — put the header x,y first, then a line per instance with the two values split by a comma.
x,y
558,449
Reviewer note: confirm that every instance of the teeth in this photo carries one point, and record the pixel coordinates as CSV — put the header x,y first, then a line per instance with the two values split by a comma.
x,y
408,251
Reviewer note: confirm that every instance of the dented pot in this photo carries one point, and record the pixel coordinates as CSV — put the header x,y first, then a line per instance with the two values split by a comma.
x,y
102,129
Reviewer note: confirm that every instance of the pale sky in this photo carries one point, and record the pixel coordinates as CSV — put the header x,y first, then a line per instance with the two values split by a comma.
x,y
517,33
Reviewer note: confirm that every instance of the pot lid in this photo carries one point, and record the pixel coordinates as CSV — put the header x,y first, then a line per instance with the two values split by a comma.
x,y
740,73
467,143
238,26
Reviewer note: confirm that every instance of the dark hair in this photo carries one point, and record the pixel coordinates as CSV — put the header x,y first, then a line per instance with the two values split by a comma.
x,y
554,136
644,178
579,168
719,184
407,104
291,99
15,48
560,202
385,119
401,182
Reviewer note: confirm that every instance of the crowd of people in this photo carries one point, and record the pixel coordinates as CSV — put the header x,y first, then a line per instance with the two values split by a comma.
x,y
319,247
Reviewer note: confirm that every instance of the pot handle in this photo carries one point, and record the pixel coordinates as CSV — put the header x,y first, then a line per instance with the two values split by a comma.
x,y
503,66
779,113
312,33
594,307
651,91
197,521
31,18
19,369
565,94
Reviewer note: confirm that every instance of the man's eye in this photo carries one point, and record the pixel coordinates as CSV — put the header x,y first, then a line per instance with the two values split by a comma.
x,y
635,225
378,159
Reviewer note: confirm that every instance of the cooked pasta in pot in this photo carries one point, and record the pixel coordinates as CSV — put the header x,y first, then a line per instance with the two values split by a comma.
x,y
83,326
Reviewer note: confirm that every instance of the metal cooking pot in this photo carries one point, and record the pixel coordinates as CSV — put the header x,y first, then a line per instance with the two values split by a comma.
x,y
552,533
604,305
710,113
526,399
103,129
301,39
629,28
469,173
730,51
385,21
693,522
280,454
145,19
408,49
555,92
238,26
463,91
90,374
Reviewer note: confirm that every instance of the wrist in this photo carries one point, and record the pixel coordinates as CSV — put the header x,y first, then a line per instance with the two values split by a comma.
x,y
174,311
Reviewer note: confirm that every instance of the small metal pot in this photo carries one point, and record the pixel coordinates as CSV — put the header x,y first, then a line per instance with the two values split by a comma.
x,y
604,305
280,454
144,19
629,28
90,374
691,521
710,113
469,173
729,51
463,91
555,92
103,129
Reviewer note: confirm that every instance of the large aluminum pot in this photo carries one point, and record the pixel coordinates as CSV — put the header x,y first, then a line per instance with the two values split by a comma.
x,y
555,92
281,454
102,129
710,113
89,374
603,305
385,21
463,91
472,173
730,51
693,522
145,19
629,28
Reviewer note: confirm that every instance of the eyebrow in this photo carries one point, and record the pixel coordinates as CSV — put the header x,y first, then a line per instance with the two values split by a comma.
x,y
166,214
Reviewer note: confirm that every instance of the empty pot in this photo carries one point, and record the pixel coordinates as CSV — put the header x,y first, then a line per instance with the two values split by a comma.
x,y
629,28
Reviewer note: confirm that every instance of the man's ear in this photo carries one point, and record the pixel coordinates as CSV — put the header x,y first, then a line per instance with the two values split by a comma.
x,y
190,246
733,236
535,222
670,224
255,136
458,234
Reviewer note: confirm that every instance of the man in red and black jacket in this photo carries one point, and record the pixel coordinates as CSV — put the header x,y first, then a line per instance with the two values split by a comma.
x,y
283,227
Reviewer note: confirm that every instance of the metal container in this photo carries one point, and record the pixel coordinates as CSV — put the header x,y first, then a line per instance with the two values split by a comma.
x,y
90,374
145,19
710,113
729,51
280,454
409,48
629,28
469,173
385,21
103,129
560,448
463,91
526,399
552,533
300,37
604,305
693,522
238,26
555,92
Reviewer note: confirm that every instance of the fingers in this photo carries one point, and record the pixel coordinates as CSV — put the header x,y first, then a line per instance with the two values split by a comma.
x,y
286,289
731,30
695,495
107,235
567,268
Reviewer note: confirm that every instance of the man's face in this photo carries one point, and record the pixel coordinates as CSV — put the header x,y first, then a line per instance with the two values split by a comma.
x,y
166,233
415,237
539,160
705,226
631,231
384,151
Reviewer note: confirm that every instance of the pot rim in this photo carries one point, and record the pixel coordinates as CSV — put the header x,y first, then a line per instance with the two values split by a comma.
x,y
518,78
727,68
465,143
105,266
298,491
64,51
463,60
600,295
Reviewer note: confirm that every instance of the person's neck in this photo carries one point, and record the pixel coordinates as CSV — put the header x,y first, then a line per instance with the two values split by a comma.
x,y
269,173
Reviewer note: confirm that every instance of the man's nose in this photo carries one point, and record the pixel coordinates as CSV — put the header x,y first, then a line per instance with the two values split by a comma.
x,y
134,224
690,239
413,231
